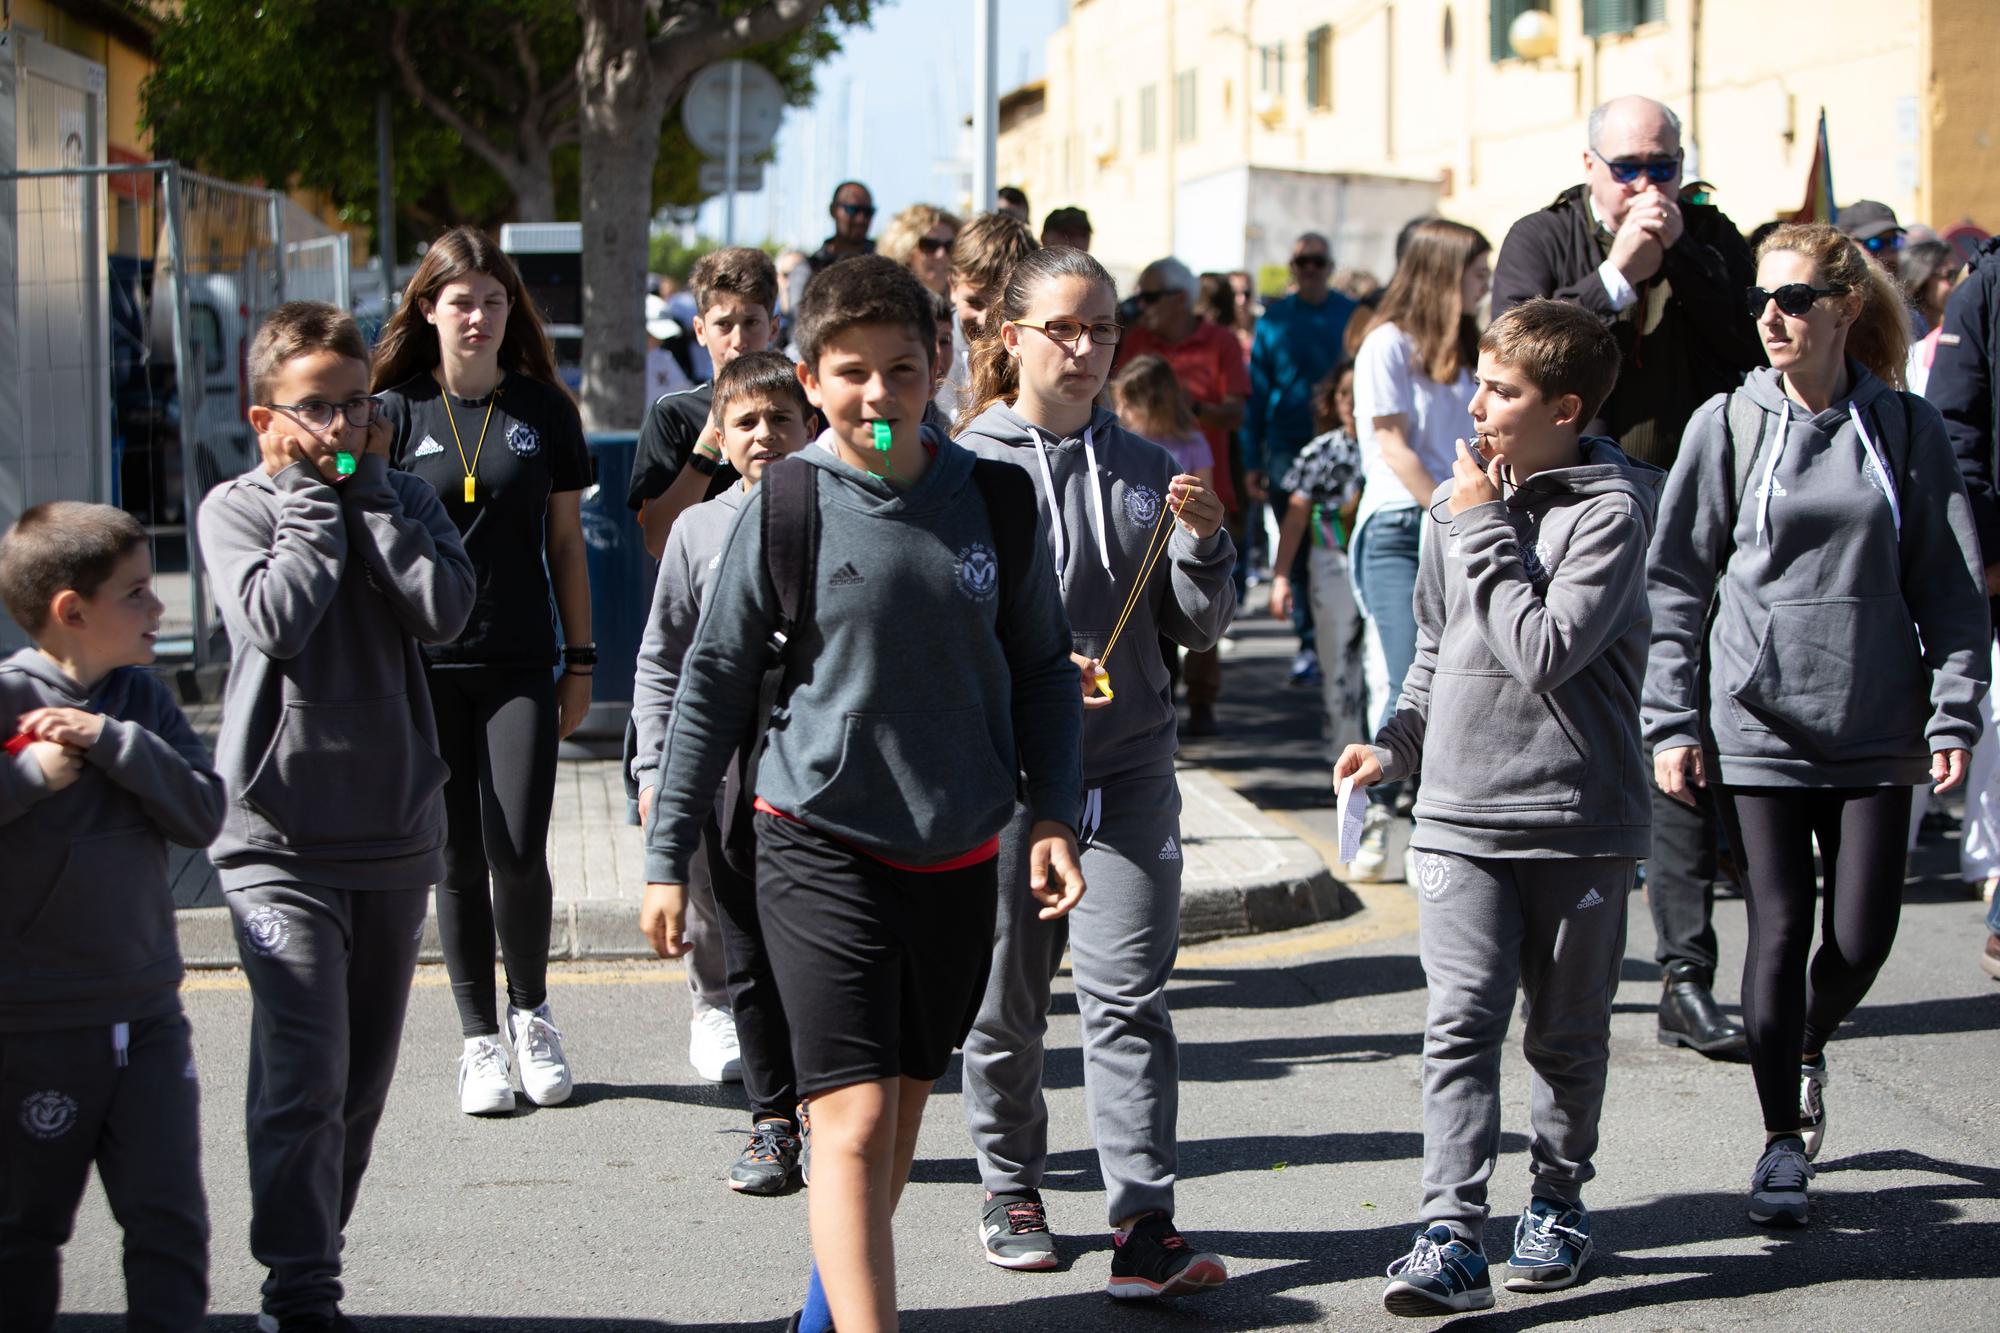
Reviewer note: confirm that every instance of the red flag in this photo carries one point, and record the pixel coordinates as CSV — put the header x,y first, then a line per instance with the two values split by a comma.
x,y
1818,206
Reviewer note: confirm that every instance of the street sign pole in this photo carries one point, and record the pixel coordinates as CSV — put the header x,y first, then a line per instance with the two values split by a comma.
x,y
734,155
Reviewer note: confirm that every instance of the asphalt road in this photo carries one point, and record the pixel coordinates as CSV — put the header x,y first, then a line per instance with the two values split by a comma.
x,y
1300,1150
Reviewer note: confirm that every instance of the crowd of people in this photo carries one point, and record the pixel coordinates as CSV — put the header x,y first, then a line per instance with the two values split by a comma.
x,y
1641,521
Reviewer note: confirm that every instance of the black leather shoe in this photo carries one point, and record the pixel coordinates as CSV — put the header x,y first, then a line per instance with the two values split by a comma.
x,y
1689,1015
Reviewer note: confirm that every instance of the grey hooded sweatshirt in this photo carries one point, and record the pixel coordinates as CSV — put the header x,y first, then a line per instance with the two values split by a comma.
x,y
1850,635
694,548
1102,493
905,719
328,743
1531,645
87,915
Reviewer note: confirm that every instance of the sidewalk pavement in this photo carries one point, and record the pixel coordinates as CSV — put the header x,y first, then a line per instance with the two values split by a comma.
x,y
1243,872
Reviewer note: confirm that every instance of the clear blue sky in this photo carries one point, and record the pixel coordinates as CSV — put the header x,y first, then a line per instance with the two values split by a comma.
x,y
889,112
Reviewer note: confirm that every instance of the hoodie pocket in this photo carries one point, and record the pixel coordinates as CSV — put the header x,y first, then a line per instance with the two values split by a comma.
x,y
1509,749
106,915
1838,677
926,782
352,776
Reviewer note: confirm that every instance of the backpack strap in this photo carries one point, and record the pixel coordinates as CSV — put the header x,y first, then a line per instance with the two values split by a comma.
x,y
1012,511
1741,417
791,539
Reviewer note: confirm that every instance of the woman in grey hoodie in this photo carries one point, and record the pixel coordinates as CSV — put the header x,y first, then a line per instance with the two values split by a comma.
x,y
1106,492
1819,646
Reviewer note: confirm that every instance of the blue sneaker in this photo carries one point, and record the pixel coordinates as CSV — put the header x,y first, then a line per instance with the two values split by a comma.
x,y
1551,1242
1778,1185
1440,1275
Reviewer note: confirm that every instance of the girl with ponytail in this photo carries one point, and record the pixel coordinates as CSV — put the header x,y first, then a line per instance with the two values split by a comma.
x,y
1135,540
1815,563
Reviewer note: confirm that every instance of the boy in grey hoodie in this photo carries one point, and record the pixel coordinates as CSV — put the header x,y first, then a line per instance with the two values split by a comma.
x,y
762,412
923,680
329,570
1532,629
96,1065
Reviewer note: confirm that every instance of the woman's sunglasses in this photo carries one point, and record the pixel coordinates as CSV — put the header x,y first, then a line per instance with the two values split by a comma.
x,y
931,245
1658,170
1794,298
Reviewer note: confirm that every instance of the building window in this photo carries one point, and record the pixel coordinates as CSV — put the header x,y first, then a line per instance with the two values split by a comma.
x,y
1149,118
1605,18
1184,108
1504,12
1271,69
1319,69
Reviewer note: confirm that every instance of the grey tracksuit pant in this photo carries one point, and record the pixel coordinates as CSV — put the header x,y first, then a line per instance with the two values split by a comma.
x,y
1122,941
66,1104
707,969
1555,928
329,973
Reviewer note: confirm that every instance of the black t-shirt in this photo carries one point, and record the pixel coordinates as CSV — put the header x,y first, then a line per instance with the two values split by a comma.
x,y
534,448
673,424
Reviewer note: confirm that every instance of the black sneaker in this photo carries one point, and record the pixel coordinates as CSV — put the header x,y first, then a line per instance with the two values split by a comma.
x,y
315,1322
1155,1260
1014,1228
768,1162
1778,1185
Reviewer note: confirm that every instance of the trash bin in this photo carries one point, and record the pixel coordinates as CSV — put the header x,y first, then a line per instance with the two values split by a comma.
x,y
621,595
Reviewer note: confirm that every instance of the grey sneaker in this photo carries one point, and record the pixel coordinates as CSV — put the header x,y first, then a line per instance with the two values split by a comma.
x,y
1778,1185
1014,1228
769,1163
1812,1106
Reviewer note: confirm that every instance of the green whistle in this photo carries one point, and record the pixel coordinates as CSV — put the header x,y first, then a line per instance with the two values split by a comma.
x,y
882,437
343,463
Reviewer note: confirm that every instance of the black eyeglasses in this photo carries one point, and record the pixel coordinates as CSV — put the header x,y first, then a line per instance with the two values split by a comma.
x,y
1309,261
1658,170
931,245
1153,297
1888,240
1794,298
857,210
317,415
1069,332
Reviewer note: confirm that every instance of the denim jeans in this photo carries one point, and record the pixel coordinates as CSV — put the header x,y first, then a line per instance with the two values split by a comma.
x,y
1385,577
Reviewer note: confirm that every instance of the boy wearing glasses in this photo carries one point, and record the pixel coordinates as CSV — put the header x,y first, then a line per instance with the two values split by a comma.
x,y
330,570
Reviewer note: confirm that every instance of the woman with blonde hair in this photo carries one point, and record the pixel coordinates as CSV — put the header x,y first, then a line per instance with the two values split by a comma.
x,y
1820,645
1412,401
920,238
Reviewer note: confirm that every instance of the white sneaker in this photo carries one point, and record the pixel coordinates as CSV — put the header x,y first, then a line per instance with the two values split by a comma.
x,y
483,1087
712,1048
1373,855
538,1054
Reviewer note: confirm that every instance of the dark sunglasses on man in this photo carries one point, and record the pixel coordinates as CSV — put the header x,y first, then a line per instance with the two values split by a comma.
x,y
1891,241
1658,170
1794,298
1309,261
931,245
857,210
1152,297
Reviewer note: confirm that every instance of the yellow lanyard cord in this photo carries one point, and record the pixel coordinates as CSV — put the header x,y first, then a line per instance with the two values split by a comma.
x,y
1156,546
472,468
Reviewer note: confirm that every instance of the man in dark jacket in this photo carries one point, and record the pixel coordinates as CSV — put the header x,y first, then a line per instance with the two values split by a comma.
x,y
1668,278
1965,387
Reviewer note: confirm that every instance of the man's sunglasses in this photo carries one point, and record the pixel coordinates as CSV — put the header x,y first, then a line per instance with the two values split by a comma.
x,y
1794,298
317,415
1888,240
857,210
1150,298
1309,261
931,245
1069,332
1658,170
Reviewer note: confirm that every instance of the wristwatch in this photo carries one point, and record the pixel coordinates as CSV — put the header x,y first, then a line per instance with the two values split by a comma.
x,y
704,462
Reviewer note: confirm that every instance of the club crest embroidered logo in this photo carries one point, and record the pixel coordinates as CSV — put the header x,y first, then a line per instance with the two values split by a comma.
x,y
1171,850
521,438
48,1115
266,930
978,572
1873,476
1534,563
1433,876
1142,505
427,448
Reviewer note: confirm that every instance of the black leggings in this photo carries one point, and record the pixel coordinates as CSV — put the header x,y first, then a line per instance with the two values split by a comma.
x,y
497,731
763,1035
1789,1009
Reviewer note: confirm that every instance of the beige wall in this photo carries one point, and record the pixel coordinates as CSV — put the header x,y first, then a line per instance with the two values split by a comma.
x,y
1506,137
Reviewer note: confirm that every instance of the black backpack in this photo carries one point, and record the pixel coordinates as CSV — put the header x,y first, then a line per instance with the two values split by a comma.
x,y
791,562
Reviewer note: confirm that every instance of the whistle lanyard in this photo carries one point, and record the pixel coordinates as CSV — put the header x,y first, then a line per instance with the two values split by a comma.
x,y
472,468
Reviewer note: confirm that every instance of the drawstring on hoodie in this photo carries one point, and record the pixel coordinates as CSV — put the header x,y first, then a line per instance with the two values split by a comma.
x,y
1771,468
1055,505
1867,445
1888,486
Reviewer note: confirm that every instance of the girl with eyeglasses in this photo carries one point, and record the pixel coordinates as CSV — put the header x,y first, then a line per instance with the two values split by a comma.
x,y
1820,645
1112,498
468,381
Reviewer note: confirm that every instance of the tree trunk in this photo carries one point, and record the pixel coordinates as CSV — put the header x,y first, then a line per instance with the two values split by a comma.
x,y
535,195
619,139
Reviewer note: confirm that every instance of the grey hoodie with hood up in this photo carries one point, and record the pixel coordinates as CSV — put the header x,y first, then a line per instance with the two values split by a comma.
x,y
1099,546
1532,631
1850,636
87,916
915,692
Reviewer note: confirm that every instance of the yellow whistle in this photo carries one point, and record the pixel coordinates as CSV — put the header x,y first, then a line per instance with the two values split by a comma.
x,y
1103,679
471,490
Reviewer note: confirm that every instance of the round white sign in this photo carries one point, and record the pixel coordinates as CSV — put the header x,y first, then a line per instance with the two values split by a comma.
x,y
705,109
